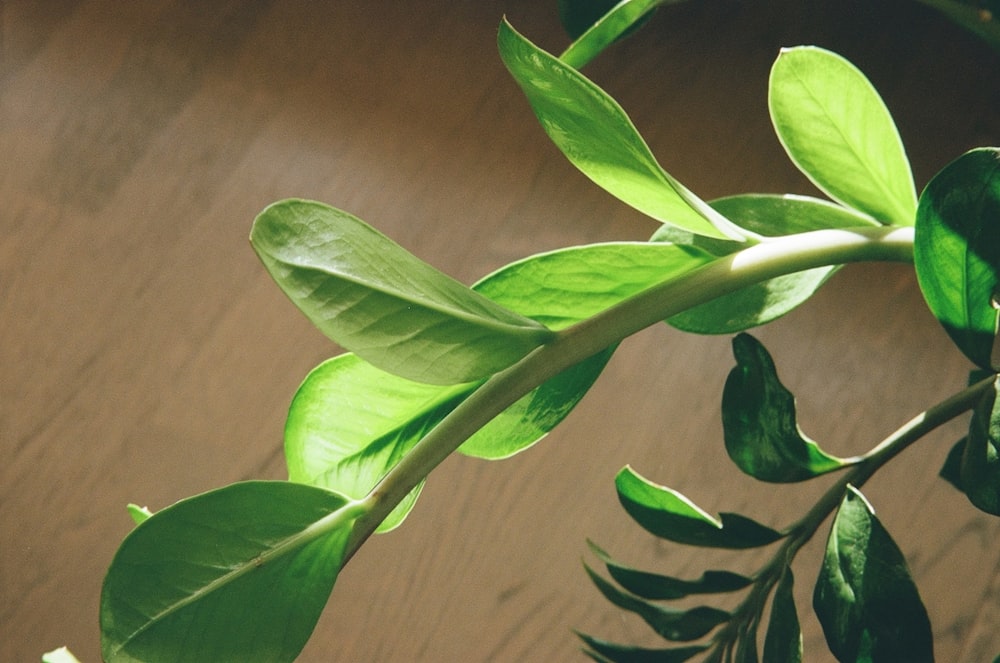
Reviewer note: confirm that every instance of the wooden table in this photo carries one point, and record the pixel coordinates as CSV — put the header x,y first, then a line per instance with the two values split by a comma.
x,y
147,356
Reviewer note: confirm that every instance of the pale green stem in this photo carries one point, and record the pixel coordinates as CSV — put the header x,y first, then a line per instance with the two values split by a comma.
x,y
803,531
769,259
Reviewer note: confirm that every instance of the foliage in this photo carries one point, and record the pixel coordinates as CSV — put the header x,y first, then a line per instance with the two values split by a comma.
x,y
243,572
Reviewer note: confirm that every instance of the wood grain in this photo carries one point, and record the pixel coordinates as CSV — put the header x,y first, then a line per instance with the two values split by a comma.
x,y
146,356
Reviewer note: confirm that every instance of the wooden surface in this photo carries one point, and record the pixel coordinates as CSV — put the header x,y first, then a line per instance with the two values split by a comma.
x,y
146,355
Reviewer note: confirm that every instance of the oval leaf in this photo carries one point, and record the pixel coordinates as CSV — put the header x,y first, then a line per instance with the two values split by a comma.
x,y
759,424
379,301
252,564
838,132
668,514
956,251
865,598
768,215
596,135
783,641
670,624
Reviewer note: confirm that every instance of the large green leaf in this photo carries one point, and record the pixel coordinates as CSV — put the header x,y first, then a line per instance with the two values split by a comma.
x,y
350,422
671,624
603,651
865,598
237,574
768,215
837,130
668,514
597,136
759,424
595,25
656,587
783,641
956,251
379,301
976,461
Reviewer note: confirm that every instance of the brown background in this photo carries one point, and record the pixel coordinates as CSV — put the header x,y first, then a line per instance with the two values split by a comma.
x,y
146,356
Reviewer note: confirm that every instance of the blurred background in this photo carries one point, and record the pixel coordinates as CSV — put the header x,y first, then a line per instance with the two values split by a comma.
x,y
145,355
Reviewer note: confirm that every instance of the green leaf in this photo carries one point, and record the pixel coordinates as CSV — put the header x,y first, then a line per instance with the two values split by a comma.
x,y
838,132
138,513
379,301
674,625
982,21
609,651
61,655
956,251
596,135
865,598
237,574
656,587
979,464
669,515
783,641
770,216
596,25
759,423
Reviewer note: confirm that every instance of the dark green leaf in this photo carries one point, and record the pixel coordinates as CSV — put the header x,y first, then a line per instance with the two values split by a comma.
x,y
596,24
379,301
770,216
654,587
971,15
979,470
596,135
865,598
956,251
783,642
237,574
837,130
670,624
608,651
951,471
669,515
759,423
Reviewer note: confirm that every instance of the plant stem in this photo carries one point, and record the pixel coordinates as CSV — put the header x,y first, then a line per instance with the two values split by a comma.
x,y
757,263
802,531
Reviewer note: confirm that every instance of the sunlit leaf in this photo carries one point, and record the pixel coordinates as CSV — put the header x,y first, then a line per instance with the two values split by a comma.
x,y
668,623
837,130
609,651
865,598
138,513
668,514
596,24
237,574
379,301
61,655
768,215
783,641
760,428
956,251
597,137
655,587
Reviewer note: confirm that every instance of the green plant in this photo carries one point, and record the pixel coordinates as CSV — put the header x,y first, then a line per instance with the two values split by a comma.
x,y
243,572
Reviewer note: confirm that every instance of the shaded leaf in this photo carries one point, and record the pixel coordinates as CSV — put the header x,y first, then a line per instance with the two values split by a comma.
x,y
596,24
654,586
674,625
379,301
836,129
972,17
956,251
865,598
783,641
608,651
597,136
979,464
668,514
768,215
759,424
237,574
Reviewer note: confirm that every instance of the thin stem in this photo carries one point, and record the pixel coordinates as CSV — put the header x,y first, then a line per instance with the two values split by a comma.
x,y
770,259
802,532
